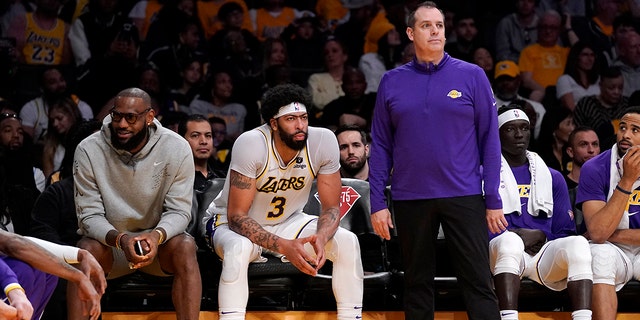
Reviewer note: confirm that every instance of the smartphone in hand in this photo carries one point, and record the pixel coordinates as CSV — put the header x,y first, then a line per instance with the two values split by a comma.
x,y
138,248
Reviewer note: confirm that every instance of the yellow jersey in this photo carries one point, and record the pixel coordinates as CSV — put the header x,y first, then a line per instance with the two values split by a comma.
x,y
44,47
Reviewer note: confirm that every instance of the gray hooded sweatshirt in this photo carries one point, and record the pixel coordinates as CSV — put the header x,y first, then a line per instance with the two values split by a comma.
x,y
133,193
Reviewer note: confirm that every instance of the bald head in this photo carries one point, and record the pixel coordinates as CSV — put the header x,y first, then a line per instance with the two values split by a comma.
x,y
135,93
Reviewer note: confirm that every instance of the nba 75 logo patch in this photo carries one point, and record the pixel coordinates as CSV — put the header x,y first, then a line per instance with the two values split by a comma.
x,y
348,197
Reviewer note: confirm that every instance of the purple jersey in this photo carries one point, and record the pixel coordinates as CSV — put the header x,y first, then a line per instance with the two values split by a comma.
x,y
560,225
595,178
7,276
37,285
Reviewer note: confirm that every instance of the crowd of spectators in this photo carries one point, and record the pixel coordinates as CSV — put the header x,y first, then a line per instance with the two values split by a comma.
x,y
217,57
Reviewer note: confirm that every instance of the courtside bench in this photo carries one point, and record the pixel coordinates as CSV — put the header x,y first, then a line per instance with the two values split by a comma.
x,y
275,286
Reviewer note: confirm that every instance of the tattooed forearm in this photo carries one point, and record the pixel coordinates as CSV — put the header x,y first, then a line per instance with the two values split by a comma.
x,y
239,181
251,229
328,221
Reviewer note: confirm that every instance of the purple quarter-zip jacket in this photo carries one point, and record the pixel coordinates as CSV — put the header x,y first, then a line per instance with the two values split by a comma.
x,y
436,126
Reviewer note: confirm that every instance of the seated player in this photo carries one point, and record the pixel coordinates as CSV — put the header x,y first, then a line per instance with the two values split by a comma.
x,y
540,240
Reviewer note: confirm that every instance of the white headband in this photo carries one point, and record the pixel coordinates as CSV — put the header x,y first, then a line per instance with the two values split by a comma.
x,y
511,115
290,108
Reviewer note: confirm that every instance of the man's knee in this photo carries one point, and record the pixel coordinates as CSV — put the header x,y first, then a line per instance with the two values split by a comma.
x,y
507,252
345,244
603,263
237,255
577,250
181,244
510,244
636,267
181,251
101,252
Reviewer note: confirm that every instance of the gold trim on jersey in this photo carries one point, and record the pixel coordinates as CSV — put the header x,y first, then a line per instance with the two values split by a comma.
x,y
303,226
217,221
279,158
266,165
311,169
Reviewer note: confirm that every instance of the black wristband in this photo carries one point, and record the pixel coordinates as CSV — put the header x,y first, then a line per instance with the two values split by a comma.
x,y
627,192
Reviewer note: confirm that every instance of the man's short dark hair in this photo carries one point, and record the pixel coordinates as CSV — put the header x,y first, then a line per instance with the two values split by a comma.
x,y
282,95
182,126
511,106
411,18
219,120
135,93
351,127
634,109
572,135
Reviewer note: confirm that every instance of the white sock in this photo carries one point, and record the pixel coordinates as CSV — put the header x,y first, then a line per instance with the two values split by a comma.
x,y
231,314
509,314
583,314
349,311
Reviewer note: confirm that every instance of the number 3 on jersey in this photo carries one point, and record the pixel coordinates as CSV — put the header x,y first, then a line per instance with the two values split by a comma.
x,y
278,204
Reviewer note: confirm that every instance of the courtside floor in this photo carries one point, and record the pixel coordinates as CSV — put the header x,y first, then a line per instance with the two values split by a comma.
x,y
320,315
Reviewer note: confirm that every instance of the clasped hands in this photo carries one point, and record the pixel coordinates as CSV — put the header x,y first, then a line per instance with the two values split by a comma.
x,y
302,259
148,243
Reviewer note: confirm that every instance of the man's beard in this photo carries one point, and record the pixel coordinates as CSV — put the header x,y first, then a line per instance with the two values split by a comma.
x,y
130,144
288,139
353,168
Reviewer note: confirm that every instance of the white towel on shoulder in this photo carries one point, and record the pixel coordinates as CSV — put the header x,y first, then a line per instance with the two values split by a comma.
x,y
540,195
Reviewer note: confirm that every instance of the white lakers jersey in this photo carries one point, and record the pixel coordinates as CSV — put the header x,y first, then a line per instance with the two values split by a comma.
x,y
282,188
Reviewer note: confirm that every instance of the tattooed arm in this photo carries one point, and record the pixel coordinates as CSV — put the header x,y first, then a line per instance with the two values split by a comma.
x,y
329,188
242,190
